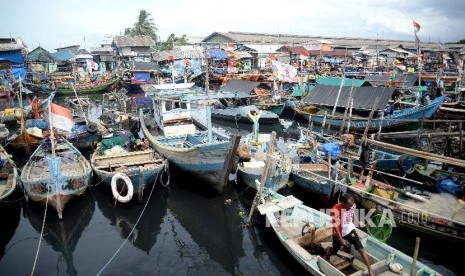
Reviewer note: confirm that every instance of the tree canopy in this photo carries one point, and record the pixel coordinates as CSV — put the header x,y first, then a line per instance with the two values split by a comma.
x,y
462,41
144,26
171,41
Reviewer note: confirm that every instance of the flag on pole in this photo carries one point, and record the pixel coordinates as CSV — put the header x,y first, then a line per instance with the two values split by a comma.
x,y
417,41
442,46
61,117
416,26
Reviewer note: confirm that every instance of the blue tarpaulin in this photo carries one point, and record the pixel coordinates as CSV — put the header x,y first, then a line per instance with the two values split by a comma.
x,y
142,76
333,148
12,57
17,72
40,123
217,54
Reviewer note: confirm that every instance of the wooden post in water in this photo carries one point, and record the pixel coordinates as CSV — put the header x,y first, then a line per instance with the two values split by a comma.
x,y
269,161
415,257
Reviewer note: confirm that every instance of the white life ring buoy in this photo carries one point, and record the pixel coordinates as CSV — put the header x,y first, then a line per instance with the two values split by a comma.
x,y
114,190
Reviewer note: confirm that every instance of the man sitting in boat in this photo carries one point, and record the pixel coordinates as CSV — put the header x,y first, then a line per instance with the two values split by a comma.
x,y
344,233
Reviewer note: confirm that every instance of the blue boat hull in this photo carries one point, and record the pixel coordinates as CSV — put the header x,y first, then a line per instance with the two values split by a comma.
x,y
275,183
389,122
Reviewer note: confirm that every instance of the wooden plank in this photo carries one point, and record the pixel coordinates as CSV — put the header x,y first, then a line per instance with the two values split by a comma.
x,y
279,205
121,163
419,154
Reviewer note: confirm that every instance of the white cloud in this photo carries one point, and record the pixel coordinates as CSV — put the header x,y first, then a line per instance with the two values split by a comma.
x,y
55,23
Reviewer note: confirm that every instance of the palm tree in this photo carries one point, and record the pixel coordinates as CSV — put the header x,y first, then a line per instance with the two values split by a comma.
x,y
144,26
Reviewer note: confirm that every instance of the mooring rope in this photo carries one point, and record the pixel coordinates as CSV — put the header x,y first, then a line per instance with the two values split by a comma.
x,y
41,234
132,230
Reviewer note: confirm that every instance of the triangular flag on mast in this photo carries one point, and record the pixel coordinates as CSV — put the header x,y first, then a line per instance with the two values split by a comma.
x,y
416,26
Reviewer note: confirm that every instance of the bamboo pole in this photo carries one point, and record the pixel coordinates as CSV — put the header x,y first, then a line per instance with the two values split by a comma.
x,y
269,161
350,114
347,108
80,105
323,124
420,154
364,138
461,141
335,104
415,256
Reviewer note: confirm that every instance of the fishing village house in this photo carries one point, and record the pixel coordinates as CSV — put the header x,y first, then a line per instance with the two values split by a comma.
x,y
12,52
104,55
137,48
40,62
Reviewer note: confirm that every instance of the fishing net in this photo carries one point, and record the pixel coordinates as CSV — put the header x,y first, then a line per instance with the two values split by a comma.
x,y
381,229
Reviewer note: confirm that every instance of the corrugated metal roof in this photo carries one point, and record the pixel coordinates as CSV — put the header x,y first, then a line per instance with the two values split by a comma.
x,y
298,50
63,55
239,86
217,53
334,53
241,55
145,66
136,41
405,80
364,97
337,81
10,47
39,54
177,54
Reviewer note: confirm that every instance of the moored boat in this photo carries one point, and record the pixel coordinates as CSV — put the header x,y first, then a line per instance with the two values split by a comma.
x,y
8,175
55,174
289,218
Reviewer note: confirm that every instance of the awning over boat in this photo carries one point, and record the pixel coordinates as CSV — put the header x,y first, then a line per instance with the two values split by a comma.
x,y
363,97
337,81
404,80
240,86
145,66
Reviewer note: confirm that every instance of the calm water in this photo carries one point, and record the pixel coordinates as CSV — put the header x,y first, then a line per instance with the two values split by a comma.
x,y
183,229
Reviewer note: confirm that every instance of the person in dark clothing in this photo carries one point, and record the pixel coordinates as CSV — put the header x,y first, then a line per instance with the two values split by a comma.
x,y
365,158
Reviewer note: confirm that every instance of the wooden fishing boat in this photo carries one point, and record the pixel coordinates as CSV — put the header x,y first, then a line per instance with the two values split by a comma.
x,y
55,174
289,217
91,87
27,140
252,168
207,157
143,166
439,215
365,100
8,175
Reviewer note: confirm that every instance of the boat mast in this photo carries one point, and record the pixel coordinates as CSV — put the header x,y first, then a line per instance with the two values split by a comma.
x,y
52,135
207,80
80,105
23,124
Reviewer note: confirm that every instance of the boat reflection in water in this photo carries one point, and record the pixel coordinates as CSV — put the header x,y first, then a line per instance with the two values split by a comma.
x,y
61,234
11,215
124,217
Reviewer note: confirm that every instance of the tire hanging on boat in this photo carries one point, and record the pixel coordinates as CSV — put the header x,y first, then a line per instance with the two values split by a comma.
x,y
166,172
402,163
114,190
92,128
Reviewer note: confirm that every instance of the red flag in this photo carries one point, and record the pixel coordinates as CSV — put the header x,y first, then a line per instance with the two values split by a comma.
x,y
416,26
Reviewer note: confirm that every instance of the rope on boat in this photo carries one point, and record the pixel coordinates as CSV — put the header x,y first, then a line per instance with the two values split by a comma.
x,y
15,200
41,233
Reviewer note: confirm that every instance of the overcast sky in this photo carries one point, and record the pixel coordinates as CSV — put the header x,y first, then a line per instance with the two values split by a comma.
x,y
88,23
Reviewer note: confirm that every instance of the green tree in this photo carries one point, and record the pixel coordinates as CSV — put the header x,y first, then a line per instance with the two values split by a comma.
x,y
144,26
462,41
172,41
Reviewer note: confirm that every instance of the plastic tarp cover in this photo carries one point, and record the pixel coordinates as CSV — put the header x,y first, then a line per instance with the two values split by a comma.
x,y
39,123
12,57
142,76
332,148
217,54
447,185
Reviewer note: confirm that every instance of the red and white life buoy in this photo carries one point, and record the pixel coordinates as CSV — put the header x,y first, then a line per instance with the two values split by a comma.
x,y
114,190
